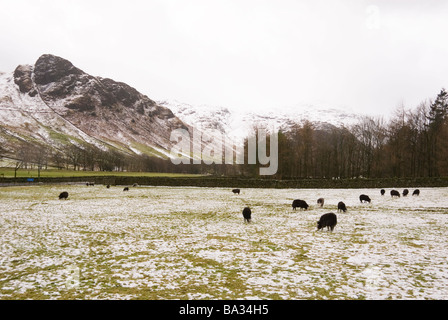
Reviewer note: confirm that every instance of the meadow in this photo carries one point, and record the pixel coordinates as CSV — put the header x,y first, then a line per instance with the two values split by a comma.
x,y
192,243
7,172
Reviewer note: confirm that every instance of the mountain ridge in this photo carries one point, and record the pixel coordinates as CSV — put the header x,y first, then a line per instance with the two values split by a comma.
x,y
54,103
237,124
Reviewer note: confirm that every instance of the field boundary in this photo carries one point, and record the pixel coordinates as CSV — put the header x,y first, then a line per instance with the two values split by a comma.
x,y
236,182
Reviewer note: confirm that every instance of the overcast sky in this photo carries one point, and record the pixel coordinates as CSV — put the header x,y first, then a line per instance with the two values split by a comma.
x,y
368,56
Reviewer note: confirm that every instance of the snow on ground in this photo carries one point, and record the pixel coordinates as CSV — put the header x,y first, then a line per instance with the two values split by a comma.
x,y
192,243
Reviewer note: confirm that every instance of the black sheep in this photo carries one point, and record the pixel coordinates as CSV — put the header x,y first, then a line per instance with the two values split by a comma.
x,y
364,198
394,193
299,204
247,214
416,192
383,192
405,192
126,189
328,220
236,191
63,195
342,207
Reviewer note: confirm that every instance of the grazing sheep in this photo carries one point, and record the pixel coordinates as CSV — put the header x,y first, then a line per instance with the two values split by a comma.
x,y
90,183
299,204
383,192
320,202
342,207
328,220
63,195
108,186
126,189
236,191
394,193
416,192
135,185
247,214
405,192
364,198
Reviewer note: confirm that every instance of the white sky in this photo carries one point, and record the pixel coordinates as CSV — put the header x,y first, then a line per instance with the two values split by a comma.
x,y
369,56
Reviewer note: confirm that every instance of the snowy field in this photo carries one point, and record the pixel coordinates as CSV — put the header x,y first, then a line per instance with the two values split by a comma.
x,y
192,243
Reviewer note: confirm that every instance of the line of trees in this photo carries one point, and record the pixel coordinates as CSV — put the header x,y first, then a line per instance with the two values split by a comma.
x,y
84,157
413,143
87,157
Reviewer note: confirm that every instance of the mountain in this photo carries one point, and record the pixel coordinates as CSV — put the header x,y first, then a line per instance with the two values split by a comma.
x,y
55,104
236,124
52,107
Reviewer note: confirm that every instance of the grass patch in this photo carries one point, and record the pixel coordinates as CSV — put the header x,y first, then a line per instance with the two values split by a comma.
x,y
57,173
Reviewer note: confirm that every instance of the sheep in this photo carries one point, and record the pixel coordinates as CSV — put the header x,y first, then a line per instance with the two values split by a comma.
x,y
342,207
320,202
247,214
364,198
394,193
63,195
328,220
299,203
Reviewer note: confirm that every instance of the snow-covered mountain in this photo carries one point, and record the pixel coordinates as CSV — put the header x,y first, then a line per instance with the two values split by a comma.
x,y
55,104
236,123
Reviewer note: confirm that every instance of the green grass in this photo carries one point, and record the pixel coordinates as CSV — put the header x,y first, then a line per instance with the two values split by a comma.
x,y
56,173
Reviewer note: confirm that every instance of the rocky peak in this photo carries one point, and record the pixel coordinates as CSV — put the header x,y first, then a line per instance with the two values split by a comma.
x,y
59,80
62,84
69,105
50,68
23,78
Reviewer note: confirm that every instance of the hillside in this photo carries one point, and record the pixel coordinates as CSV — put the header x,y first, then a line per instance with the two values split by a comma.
x,y
235,123
52,112
54,104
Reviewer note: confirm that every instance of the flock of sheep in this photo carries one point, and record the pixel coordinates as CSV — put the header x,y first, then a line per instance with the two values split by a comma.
x,y
64,195
328,220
